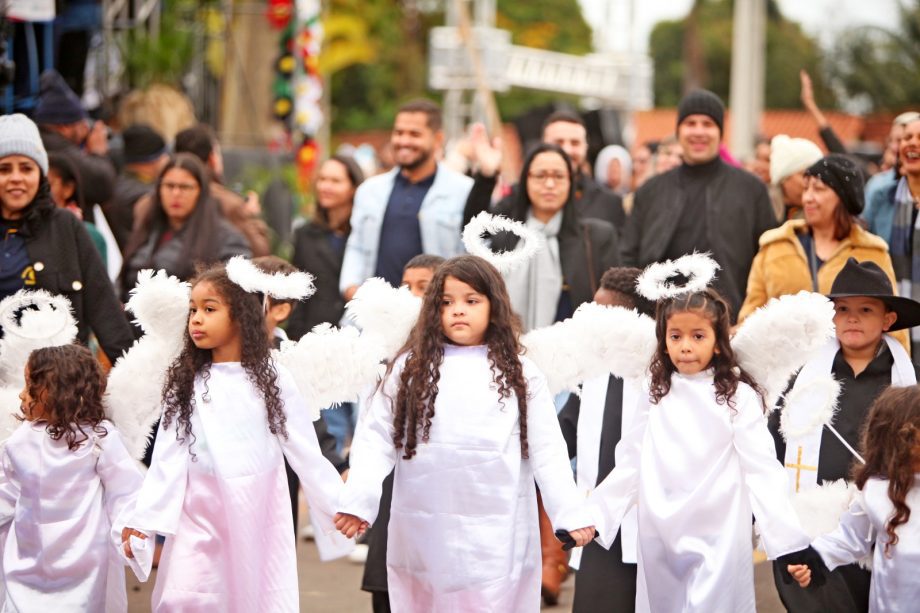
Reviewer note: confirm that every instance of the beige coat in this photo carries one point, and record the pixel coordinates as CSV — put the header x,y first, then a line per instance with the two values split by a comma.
x,y
781,266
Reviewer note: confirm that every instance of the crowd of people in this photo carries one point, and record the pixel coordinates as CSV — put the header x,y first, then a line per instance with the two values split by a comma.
x,y
456,471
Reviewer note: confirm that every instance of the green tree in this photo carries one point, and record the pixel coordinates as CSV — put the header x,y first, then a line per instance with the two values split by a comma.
x,y
881,67
696,52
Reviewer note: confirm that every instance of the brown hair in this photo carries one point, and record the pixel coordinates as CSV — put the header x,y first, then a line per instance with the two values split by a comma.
x,y
889,444
726,372
422,105
246,313
70,383
622,280
355,177
418,381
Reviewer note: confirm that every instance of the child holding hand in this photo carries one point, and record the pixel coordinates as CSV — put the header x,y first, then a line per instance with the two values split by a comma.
x,y
881,521
65,475
468,424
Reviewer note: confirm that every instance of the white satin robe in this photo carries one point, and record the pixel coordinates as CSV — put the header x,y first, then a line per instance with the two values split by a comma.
x,y
895,584
463,531
226,513
57,507
698,471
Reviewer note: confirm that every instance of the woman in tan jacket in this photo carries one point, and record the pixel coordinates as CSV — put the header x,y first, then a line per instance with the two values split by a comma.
x,y
807,254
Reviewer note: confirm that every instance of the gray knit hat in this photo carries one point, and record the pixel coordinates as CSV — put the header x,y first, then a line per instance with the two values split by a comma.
x,y
19,136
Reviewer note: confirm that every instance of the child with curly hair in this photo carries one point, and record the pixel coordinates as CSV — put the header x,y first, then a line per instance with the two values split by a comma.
x,y
217,487
880,519
699,461
468,424
65,475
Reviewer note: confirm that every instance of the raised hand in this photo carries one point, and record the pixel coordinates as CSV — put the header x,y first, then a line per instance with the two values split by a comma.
x,y
487,154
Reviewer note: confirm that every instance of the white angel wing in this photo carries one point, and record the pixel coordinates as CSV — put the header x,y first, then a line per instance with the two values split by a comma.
x,y
777,339
133,395
335,365
597,339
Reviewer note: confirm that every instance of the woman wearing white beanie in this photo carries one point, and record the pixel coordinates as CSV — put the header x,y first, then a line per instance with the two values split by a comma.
x,y
48,248
789,158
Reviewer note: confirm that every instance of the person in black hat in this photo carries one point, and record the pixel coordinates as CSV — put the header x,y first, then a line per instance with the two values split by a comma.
x,y
145,155
864,359
65,128
702,205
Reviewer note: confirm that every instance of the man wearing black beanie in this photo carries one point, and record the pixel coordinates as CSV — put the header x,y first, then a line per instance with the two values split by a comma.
x,y
703,205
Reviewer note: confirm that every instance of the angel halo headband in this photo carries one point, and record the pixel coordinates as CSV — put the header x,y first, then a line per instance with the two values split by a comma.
x,y
505,261
293,286
671,278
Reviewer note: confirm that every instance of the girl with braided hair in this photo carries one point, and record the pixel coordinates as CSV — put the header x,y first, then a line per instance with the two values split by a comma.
x,y
468,424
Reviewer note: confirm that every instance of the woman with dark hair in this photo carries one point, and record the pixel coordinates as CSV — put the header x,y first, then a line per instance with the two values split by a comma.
x,y
67,193
319,245
48,248
183,229
578,250
807,254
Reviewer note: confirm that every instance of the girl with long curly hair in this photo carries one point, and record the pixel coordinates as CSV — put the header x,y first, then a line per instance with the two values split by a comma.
x,y
880,521
699,462
468,424
64,473
217,487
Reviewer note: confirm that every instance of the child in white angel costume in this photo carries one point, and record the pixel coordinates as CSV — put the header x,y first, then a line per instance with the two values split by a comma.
x,y
882,519
699,462
468,424
65,474
216,487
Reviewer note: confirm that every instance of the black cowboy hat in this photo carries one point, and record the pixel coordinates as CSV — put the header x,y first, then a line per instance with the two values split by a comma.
x,y
868,280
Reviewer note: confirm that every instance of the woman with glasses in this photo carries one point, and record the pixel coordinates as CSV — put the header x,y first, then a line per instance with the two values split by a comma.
x,y
184,228
578,250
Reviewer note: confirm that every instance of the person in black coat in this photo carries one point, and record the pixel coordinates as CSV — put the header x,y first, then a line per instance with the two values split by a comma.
x,y
48,248
704,205
319,245
584,247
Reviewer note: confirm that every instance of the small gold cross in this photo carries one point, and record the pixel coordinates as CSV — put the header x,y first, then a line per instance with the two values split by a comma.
x,y
799,467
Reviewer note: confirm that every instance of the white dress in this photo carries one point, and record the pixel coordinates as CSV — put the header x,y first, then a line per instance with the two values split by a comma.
x,y
698,470
463,531
226,513
57,507
896,579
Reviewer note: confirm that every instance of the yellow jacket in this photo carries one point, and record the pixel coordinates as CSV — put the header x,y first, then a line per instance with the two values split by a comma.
x,y
781,266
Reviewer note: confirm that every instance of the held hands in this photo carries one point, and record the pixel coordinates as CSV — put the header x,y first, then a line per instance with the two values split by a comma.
x,y
801,573
576,538
126,535
350,525
805,567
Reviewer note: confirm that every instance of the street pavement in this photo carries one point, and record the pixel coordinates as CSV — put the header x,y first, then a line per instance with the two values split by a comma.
x,y
335,587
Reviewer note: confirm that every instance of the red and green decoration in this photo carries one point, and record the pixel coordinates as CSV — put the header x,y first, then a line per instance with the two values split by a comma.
x,y
298,88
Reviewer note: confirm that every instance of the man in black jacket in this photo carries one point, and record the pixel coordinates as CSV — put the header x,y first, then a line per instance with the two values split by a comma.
x,y
704,205
567,130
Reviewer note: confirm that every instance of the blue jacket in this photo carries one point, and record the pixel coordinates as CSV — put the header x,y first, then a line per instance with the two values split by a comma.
x,y
880,207
440,221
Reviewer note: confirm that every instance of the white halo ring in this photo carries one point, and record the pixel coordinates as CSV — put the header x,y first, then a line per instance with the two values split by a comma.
x,y
504,261
12,305
294,286
699,268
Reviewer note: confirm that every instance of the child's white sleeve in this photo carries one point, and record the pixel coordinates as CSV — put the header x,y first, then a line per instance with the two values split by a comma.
x,y
851,541
373,455
320,480
159,502
765,478
549,458
619,491
9,491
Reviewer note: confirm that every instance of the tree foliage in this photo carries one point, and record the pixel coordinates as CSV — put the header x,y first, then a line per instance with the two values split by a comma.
x,y
366,94
705,36
881,67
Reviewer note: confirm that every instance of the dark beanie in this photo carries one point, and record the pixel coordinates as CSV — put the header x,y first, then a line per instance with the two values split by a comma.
x,y
839,173
57,104
701,102
142,144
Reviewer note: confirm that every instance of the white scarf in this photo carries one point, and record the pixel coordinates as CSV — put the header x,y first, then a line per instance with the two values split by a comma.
x,y
534,288
811,403
590,422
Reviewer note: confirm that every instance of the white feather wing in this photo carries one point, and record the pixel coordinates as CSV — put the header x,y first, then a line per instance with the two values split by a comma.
x,y
133,395
778,338
385,315
595,340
